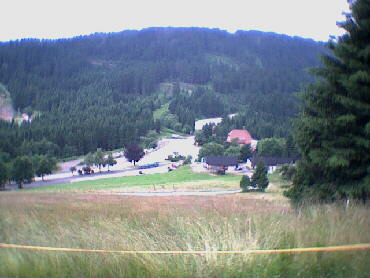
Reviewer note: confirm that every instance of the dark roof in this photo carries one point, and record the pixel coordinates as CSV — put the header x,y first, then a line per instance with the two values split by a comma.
x,y
221,160
273,161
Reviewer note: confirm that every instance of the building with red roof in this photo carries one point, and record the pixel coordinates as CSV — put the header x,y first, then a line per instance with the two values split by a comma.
x,y
241,136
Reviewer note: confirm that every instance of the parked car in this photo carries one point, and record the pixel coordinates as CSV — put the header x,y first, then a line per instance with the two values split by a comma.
x,y
150,165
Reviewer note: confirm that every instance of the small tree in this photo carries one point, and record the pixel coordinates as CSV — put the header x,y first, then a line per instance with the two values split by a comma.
x,y
187,160
245,182
271,147
259,177
232,151
110,161
73,169
45,166
22,170
245,153
134,153
98,159
89,159
207,130
211,149
200,139
150,140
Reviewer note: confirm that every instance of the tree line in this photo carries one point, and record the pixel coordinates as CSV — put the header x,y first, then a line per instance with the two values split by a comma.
x,y
24,168
100,90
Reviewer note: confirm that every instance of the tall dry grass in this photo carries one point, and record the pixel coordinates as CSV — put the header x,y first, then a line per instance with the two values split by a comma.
x,y
181,224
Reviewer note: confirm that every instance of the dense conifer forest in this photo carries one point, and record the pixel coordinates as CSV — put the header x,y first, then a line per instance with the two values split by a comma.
x,y
101,90
333,129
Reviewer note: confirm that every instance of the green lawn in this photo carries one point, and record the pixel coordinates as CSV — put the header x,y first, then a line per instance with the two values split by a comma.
x,y
159,112
167,132
279,184
176,177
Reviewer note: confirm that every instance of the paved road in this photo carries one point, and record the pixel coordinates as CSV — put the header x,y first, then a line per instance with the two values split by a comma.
x,y
180,193
77,178
184,146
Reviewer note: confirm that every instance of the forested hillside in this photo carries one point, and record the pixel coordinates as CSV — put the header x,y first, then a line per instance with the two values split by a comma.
x,y
101,90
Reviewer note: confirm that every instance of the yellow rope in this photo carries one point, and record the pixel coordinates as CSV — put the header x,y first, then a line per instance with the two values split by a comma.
x,y
351,247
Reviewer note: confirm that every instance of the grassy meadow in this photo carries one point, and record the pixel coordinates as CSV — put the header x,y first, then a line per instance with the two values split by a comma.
x,y
181,178
91,215
230,222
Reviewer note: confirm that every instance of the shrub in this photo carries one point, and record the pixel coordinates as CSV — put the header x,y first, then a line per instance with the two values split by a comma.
x,y
245,182
188,160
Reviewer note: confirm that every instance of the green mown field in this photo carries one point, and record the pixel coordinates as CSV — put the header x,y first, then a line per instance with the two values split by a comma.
x,y
179,178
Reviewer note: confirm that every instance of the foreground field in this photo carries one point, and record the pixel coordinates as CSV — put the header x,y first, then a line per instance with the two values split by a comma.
x,y
238,222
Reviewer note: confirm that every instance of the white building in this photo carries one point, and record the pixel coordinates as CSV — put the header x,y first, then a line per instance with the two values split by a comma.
x,y
200,123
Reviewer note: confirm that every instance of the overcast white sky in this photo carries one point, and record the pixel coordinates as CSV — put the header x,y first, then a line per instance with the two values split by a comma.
x,y
314,19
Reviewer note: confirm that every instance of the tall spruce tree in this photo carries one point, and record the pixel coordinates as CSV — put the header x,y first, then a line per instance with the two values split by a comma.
x,y
333,130
259,177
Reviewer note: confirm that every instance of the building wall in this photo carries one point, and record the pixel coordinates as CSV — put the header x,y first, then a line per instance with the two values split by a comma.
x,y
200,123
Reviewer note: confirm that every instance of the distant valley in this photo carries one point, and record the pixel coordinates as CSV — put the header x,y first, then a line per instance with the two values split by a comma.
x,y
103,90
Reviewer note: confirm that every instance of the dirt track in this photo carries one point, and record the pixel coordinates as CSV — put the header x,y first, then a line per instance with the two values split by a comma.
x,y
181,193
